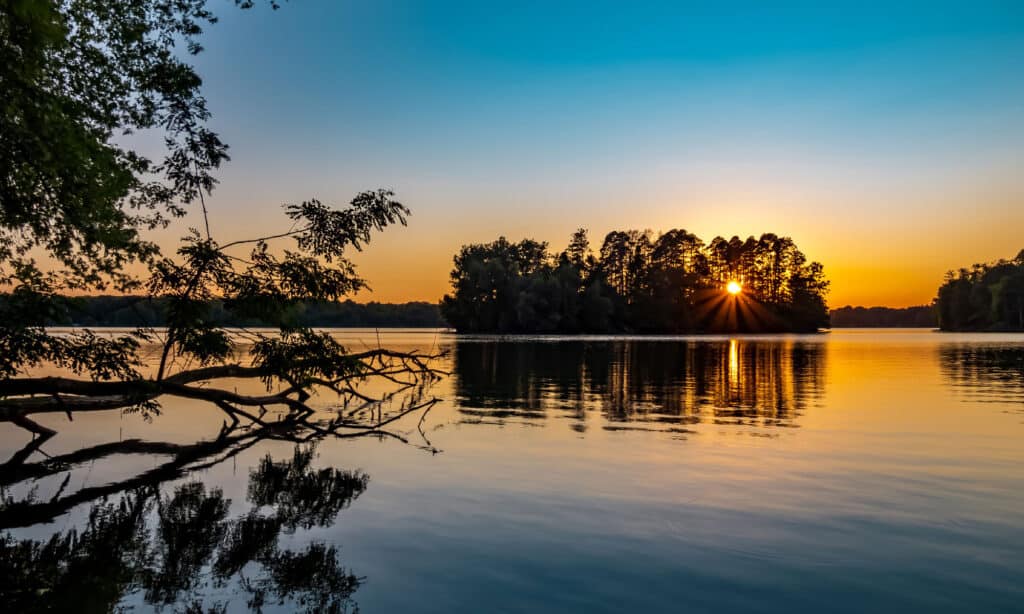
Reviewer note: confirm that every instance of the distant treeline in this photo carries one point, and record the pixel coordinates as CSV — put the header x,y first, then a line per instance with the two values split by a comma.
x,y
636,282
984,297
130,311
884,317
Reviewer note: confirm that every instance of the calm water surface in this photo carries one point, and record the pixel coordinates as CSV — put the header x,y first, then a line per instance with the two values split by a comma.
x,y
854,471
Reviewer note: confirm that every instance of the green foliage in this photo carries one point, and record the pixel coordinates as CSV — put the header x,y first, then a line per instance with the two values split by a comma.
x,y
80,77
637,282
984,297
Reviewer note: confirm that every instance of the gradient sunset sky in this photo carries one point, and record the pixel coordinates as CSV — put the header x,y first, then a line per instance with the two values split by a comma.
x,y
886,138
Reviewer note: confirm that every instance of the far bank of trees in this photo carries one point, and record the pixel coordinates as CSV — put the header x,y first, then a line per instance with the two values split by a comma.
x,y
131,311
984,297
920,316
636,282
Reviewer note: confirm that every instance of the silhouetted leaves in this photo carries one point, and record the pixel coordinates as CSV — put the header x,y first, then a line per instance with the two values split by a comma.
x,y
329,231
303,354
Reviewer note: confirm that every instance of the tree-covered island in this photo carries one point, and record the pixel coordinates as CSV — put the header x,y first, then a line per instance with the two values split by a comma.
x,y
637,282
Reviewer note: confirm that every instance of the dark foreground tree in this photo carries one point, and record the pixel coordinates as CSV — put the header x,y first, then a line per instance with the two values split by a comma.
x,y
79,78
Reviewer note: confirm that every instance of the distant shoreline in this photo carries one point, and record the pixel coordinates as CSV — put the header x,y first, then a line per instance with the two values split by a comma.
x,y
129,311
920,316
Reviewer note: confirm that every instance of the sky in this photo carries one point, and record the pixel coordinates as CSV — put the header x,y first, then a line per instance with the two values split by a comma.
x,y
884,138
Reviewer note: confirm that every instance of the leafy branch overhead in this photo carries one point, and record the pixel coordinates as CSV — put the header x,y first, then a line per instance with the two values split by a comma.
x,y
264,285
295,361
82,78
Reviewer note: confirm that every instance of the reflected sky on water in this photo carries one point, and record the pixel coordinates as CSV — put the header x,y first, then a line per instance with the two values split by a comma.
x,y
849,471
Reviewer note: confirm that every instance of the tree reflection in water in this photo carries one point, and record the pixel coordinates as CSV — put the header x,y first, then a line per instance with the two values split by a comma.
x,y
983,372
661,383
182,548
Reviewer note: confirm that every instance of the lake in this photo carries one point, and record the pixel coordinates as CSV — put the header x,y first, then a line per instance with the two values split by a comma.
x,y
851,471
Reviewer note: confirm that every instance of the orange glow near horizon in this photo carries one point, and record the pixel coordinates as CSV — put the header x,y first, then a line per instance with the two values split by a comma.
x,y
890,155
733,288
864,263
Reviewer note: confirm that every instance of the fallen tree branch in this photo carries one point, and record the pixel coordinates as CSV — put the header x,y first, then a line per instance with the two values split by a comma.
x,y
22,397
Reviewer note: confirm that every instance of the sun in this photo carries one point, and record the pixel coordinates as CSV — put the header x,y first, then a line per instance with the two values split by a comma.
x,y
733,287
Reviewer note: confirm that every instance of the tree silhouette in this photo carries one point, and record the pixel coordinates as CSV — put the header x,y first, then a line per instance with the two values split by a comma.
x,y
984,297
77,77
637,283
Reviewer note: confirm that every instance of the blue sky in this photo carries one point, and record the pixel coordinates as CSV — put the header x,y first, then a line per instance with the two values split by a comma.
x,y
886,138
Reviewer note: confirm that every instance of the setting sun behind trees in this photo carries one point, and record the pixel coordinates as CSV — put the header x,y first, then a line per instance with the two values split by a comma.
x,y
637,283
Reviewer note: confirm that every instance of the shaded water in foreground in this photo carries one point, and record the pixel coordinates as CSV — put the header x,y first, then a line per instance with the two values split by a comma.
x,y
851,471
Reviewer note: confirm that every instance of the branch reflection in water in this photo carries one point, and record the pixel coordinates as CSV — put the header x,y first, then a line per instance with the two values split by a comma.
x,y
639,383
178,545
